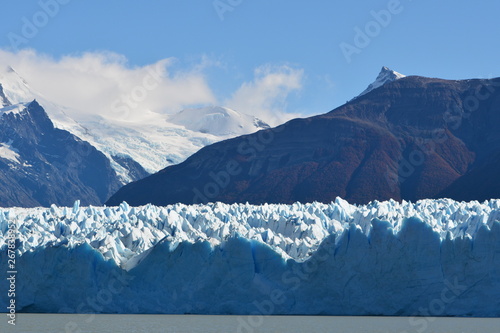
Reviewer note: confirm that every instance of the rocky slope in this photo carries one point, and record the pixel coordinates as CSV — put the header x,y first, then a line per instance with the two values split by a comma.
x,y
41,165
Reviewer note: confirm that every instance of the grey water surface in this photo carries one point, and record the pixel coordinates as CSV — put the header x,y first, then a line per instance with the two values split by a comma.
x,y
82,323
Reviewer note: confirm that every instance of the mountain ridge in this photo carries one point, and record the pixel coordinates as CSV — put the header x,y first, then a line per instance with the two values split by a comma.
x,y
41,165
358,151
153,142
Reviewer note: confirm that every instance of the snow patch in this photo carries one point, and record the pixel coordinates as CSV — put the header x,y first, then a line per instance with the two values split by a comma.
x,y
9,153
14,109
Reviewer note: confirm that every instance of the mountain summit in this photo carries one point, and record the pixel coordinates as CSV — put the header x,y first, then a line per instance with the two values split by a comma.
x,y
386,75
217,120
14,89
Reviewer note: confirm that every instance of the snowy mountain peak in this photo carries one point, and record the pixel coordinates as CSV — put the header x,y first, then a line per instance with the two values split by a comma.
x,y
217,120
386,75
14,89
152,143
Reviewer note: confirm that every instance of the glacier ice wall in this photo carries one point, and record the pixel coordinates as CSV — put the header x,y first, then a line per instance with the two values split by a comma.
x,y
432,257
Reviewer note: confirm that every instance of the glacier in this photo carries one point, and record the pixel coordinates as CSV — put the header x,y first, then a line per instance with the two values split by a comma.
x,y
431,257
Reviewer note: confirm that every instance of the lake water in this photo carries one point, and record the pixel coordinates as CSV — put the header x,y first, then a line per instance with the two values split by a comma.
x,y
54,323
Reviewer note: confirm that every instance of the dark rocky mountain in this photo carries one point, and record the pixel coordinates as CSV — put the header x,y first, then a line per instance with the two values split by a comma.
x,y
4,101
41,165
409,139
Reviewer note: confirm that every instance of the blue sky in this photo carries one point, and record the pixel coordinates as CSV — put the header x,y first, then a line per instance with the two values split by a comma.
x,y
226,41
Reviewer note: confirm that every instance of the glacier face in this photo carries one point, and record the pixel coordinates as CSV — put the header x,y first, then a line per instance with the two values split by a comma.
x,y
432,257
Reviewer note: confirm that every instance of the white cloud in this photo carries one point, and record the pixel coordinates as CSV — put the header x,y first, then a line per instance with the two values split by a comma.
x,y
266,95
99,83
103,83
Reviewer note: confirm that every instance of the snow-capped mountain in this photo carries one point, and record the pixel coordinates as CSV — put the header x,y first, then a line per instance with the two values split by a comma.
x,y
15,91
218,121
386,75
385,258
157,140
13,88
134,148
41,165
